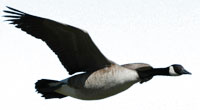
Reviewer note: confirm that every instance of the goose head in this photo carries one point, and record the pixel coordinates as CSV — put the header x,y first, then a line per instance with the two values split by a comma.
x,y
173,70
177,70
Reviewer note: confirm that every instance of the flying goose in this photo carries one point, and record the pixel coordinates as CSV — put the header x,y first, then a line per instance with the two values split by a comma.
x,y
100,77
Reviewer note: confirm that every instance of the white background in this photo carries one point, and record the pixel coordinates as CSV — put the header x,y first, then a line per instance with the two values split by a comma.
x,y
158,32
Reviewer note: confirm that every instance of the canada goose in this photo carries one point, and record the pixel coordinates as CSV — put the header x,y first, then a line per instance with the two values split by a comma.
x,y
75,49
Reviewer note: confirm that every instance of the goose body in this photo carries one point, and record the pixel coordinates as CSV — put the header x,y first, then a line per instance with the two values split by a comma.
x,y
100,78
98,85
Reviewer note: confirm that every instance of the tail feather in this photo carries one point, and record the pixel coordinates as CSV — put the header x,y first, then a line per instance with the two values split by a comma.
x,y
47,88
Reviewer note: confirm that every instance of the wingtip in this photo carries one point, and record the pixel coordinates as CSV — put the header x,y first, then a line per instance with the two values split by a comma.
x,y
13,9
7,7
11,16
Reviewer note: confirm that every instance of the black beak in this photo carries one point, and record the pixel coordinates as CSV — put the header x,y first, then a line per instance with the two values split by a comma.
x,y
185,72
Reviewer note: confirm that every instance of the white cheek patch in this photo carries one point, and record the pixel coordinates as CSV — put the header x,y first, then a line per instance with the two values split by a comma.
x,y
172,71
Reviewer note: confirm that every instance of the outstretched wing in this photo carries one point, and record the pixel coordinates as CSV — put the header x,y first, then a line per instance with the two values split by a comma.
x,y
73,46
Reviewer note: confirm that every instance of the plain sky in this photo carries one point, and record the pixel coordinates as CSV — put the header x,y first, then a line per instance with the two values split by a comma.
x,y
157,32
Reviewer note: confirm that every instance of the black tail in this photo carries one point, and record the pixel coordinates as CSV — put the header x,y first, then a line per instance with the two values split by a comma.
x,y
47,88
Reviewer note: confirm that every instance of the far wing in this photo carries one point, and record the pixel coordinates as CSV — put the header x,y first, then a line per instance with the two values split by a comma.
x,y
73,46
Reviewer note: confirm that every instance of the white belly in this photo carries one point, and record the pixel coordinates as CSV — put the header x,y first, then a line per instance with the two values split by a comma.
x,y
102,83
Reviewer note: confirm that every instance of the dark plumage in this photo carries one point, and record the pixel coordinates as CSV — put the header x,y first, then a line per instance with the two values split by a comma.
x,y
73,46
43,86
75,49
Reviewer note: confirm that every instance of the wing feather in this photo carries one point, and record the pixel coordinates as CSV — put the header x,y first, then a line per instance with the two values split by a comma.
x,y
74,47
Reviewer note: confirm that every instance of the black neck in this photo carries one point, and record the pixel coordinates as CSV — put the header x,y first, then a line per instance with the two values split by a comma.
x,y
146,75
160,71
